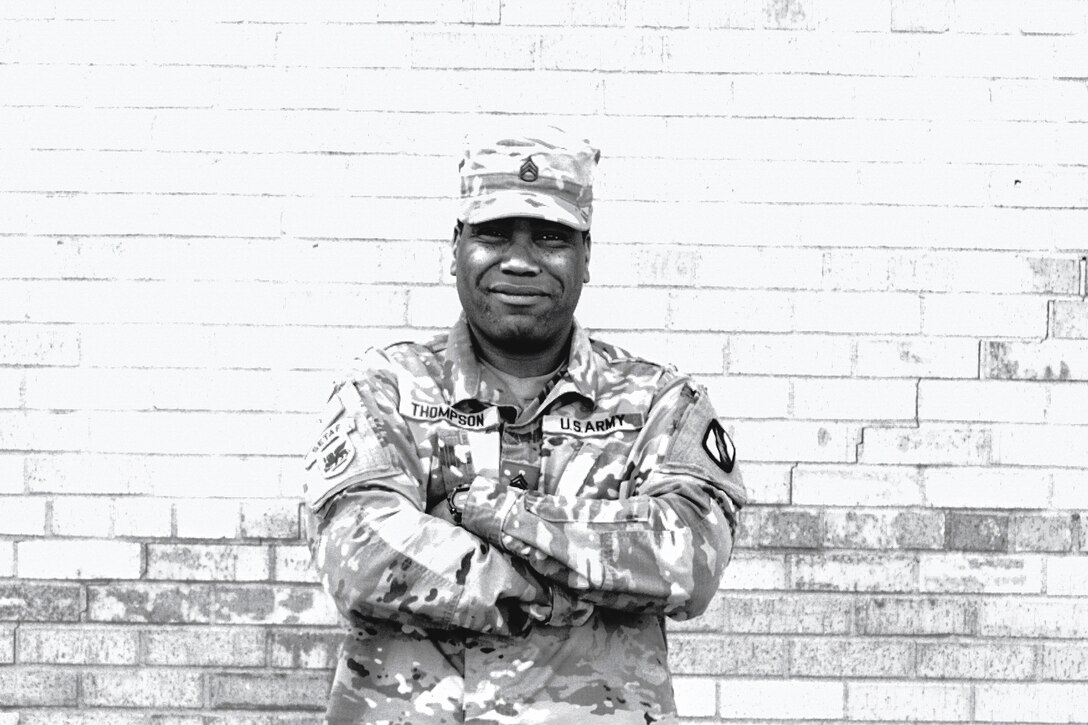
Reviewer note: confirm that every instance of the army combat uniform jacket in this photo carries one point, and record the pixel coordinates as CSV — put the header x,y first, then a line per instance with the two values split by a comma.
x,y
592,513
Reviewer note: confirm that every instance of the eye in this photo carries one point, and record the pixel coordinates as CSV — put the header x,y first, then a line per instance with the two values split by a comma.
x,y
491,233
553,238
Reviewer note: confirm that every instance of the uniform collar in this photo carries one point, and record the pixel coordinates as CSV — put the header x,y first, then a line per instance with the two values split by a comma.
x,y
464,377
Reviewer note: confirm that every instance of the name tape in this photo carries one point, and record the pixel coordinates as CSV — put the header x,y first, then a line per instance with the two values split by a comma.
x,y
486,418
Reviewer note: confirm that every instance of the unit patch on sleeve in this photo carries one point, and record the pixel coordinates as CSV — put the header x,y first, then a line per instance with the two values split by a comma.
x,y
719,446
334,450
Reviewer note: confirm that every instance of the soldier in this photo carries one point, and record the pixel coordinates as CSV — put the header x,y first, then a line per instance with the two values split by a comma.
x,y
505,514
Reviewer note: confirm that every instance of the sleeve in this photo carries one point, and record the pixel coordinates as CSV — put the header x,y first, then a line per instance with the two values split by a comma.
x,y
378,553
662,548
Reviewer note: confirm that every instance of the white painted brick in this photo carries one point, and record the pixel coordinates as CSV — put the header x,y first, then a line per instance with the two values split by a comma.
x,y
731,311
196,562
832,399
908,701
1038,186
982,400
658,15
293,564
926,16
749,396
1031,702
856,312
789,354
11,384
229,260
163,476
717,14
854,15
435,306
343,46
1067,575
1037,100
492,49
22,515
929,443
1069,491
377,218
672,94
767,483
203,346
853,572
692,353
143,214
12,474
785,699
599,12
271,518
955,572
7,559
204,519
1054,17
918,357
78,559
753,268
987,487
695,696
205,302
617,308
102,517
1041,445
27,345
857,485
598,50
146,389
1035,617
1006,315
755,572
796,441
527,12
186,433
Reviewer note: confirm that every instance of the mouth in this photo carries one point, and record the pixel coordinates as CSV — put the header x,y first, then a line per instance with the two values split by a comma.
x,y
516,294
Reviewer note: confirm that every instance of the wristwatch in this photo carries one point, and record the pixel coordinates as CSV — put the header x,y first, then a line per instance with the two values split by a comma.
x,y
455,512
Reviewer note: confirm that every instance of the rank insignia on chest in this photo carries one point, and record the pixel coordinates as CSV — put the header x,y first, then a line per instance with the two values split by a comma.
x,y
334,450
597,425
719,446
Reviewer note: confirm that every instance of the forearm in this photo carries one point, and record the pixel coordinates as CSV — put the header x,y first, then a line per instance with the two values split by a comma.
x,y
380,557
662,551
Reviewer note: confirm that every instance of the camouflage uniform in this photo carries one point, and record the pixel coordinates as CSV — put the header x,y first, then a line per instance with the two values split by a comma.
x,y
614,505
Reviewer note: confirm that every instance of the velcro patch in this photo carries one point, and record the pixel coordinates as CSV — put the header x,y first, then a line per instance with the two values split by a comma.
x,y
597,425
416,410
719,446
334,449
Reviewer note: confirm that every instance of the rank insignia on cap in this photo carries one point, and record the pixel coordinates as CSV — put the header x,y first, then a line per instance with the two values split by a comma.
x,y
528,171
719,446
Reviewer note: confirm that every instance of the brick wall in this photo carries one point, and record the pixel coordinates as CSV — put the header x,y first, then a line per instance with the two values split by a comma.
x,y
861,222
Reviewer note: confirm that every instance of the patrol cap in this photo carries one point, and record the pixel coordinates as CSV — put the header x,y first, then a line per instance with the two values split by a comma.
x,y
545,173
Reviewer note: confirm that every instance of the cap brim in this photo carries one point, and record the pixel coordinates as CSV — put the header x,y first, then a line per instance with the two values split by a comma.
x,y
511,203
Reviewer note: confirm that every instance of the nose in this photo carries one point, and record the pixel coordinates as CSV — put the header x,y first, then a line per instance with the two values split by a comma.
x,y
520,257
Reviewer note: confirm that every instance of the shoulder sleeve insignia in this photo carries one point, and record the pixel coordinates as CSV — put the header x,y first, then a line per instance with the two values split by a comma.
x,y
719,446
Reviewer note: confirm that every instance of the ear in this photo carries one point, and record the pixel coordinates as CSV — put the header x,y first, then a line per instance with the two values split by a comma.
x,y
454,241
587,242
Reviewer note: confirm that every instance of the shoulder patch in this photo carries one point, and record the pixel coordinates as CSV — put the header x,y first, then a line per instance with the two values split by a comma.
x,y
719,446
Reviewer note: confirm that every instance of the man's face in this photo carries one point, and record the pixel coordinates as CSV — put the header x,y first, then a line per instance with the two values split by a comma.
x,y
519,280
